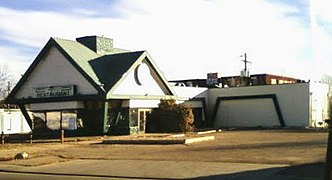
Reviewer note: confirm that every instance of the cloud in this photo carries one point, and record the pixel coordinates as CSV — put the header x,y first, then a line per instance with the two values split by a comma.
x,y
187,39
321,20
33,28
14,60
323,9
204,36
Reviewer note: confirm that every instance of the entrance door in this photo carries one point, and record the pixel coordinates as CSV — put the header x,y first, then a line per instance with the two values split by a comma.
x,y
142,114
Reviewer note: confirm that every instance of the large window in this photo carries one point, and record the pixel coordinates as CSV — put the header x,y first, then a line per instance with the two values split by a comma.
x,y
52,120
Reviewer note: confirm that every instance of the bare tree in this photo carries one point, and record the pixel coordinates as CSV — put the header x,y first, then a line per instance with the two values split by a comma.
x,y
327,79
6,78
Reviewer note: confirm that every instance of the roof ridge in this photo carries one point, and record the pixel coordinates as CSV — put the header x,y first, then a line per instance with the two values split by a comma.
x,y
76,42
65,39
120,53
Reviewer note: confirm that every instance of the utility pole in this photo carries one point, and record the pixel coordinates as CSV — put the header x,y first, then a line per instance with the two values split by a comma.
x,y
245,71
8,88
7,94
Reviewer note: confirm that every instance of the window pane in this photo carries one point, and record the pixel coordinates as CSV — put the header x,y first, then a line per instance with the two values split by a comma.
x,y
133,118
53,120
69,120
39,120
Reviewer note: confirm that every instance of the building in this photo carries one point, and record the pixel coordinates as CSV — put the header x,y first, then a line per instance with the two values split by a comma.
x,y
190,82
236,81
283,105
12,121
88,86
262,100
269,79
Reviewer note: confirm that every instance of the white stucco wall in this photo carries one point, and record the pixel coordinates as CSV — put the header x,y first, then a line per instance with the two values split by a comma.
x,y
133,103
318,104
190,92
293,100
56,106
54,70
149,86
247,113
13,122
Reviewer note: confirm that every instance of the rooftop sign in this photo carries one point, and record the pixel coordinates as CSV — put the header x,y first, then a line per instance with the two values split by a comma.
x,y
212,79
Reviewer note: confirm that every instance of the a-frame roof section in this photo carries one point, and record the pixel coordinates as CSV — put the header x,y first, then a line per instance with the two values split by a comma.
x,y
81,55
77,54
104,72
112,69
159,74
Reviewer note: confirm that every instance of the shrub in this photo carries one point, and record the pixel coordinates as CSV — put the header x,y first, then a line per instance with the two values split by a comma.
x,y
171,117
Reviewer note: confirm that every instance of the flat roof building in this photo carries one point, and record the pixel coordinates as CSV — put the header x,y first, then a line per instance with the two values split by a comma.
x,y
236,81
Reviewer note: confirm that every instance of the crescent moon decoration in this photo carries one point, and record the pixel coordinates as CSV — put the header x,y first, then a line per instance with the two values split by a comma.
x,y
141,74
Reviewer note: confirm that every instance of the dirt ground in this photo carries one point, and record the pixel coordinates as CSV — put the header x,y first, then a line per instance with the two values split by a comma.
x,y
291,147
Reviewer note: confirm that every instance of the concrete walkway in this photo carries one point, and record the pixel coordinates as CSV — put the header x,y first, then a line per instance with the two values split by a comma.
x,y
145,169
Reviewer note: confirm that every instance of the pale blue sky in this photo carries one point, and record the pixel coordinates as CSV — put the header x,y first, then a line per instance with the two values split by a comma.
x,y
186,38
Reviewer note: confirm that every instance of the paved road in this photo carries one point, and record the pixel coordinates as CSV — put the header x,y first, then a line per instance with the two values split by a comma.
x,y
144,169
30,176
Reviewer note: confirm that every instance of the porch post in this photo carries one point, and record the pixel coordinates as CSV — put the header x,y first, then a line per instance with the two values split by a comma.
x,y
26,116
105,126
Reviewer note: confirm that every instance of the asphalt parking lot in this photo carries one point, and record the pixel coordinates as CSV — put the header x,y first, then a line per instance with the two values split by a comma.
x,y
284,148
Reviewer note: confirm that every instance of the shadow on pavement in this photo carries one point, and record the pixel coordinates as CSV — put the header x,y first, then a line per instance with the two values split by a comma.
x,y
306,171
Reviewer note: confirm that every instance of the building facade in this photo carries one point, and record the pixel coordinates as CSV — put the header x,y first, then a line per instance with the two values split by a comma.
x,y
12,121
262,100
214,81
88,86
285,105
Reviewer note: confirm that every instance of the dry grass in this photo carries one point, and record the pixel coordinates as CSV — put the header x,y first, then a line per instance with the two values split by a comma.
x,y
259,146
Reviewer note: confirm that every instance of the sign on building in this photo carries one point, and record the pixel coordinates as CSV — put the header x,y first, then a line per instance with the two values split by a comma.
x,y
55,91
212,79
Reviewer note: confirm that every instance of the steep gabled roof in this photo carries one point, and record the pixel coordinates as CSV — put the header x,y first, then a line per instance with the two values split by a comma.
x,y
110,68
102,71
81,55
75,53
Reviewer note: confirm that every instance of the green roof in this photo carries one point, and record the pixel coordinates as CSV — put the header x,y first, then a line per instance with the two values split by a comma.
x,y
103,71
110,68
81,55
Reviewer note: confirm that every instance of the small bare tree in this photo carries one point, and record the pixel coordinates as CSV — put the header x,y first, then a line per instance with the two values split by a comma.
x,y
327,79
6,78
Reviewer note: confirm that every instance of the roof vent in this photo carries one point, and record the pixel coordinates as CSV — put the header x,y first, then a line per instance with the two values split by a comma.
x,y
98,44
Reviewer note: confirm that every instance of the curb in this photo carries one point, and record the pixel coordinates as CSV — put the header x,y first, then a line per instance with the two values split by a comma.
x,y
199,139
158,141
206,132
147,141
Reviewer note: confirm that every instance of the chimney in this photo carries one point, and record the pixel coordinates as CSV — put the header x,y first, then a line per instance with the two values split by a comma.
x,y
98,44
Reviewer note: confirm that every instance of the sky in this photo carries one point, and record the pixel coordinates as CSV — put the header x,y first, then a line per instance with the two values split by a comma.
x,y
185,38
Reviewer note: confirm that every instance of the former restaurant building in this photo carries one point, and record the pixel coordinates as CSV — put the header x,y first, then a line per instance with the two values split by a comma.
x,y
88,86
